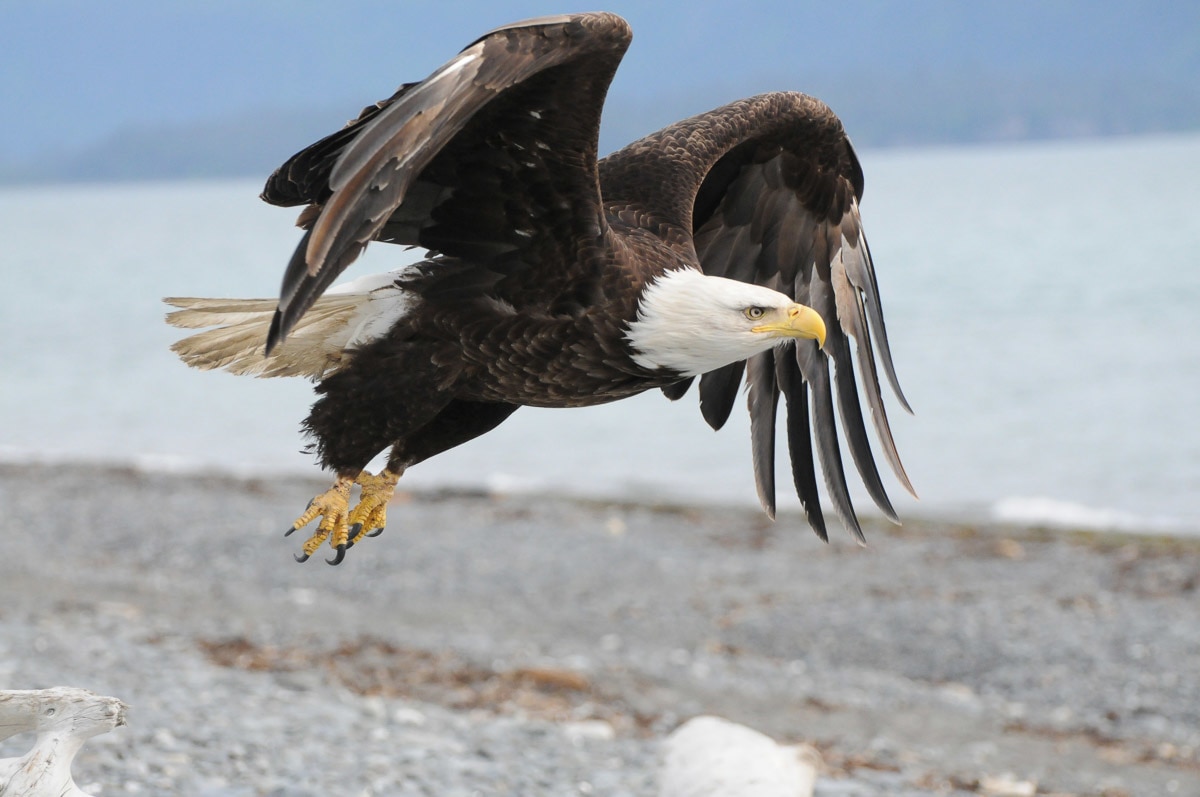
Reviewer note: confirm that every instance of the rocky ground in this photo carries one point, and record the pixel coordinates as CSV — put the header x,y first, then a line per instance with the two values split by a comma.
x,y
543,646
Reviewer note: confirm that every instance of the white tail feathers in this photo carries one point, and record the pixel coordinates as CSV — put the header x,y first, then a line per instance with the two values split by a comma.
x,y
320,342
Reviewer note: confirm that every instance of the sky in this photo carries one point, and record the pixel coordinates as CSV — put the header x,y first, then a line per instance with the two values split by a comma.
x,y
75,71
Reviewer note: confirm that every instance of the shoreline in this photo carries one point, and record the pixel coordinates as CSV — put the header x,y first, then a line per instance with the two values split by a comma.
x,y
150,465
535,643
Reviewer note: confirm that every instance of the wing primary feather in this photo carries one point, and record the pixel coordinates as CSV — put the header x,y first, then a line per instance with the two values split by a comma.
x,y
300,289
364,151
296,271
294,278
800,452
815,369
718,392
863,278
304,177
871,386
853,427
763,400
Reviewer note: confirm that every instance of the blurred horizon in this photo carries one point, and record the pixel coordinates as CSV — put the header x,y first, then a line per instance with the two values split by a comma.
x,y
139,90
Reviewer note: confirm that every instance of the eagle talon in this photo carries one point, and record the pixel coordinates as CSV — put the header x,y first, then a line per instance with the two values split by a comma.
x,y
370,515
332,506
301,558
341,554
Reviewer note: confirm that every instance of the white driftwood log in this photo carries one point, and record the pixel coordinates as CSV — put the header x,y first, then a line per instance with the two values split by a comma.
x,y
63,719
713,757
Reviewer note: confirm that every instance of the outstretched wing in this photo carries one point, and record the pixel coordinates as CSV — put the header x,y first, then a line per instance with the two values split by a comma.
x,y
492,158
775,203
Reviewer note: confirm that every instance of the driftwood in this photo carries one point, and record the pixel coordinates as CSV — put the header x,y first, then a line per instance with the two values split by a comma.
x,y
63,719
712,757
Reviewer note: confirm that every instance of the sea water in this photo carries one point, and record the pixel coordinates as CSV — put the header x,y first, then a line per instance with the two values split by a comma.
x,y
1041,302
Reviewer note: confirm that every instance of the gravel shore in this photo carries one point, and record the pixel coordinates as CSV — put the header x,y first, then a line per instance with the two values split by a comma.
x,y
545,646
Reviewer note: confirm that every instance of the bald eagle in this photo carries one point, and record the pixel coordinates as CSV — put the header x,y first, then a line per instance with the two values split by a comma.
x,y
727,246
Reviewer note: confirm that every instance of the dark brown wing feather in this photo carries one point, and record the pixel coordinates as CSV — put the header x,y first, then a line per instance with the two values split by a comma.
x,y
491,158
769,188
782,211
304,178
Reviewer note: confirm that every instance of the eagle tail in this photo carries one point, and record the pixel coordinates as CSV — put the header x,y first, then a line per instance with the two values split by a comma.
x,y
236,332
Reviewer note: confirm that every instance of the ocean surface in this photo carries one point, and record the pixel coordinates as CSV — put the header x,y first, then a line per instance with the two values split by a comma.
x,y
1041,301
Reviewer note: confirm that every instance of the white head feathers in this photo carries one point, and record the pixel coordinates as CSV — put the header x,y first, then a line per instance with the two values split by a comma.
x,y
692,323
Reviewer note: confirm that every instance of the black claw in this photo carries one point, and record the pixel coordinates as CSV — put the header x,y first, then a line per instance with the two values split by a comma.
x,y
354,530
375,532
341,554
288,533
300,558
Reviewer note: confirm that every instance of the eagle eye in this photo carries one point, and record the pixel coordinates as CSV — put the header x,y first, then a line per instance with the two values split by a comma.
x,y
754,313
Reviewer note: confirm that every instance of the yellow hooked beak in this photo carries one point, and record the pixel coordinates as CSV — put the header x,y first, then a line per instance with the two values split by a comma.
x,y
797,321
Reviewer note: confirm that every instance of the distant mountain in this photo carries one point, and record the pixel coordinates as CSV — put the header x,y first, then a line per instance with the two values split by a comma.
x,y
889,110
250,144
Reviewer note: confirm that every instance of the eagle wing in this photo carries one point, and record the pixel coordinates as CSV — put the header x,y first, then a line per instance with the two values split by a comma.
x,y
492,158
781,209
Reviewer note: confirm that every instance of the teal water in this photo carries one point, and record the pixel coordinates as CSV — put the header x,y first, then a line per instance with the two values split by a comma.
x,y
1041,302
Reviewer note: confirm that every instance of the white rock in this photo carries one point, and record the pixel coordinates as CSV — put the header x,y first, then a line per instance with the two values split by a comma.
x,y
589,730
1007,786
712,757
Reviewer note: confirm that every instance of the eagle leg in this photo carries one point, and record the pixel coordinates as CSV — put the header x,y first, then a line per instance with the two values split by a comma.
x,y
333,507
370,515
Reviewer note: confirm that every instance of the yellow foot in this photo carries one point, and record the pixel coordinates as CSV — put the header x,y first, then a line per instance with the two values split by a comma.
x,y
370,516
333,507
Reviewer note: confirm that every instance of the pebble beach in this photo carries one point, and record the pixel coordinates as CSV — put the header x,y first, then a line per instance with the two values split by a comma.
x,y
540,645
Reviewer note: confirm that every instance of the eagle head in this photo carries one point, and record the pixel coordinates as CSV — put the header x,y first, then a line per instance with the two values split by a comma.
x,y
692,323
